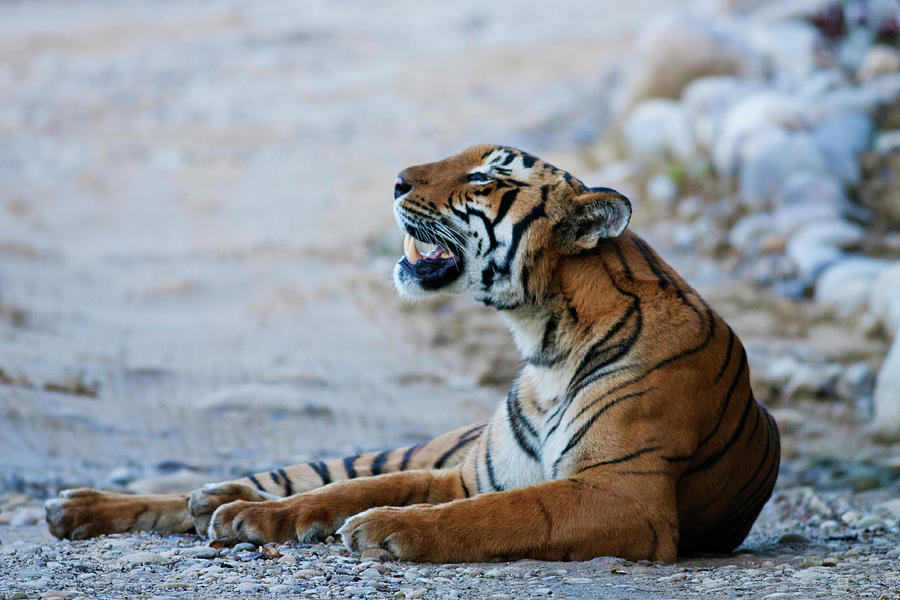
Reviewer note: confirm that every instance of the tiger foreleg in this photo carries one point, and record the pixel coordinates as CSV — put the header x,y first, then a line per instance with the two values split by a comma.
x,y
314,515
571,519
84,513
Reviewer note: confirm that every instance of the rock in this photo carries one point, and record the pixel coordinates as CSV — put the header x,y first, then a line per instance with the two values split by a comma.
x,y
134,559
28,515
674,50
248,587
789,47
884,301
769,156
887,141
841,138
809,381
707,101
658,130
891,507
816,189
848,283
819,244
794,539
662,189
747,233
244,547
749,116
879,60
200,552
886,400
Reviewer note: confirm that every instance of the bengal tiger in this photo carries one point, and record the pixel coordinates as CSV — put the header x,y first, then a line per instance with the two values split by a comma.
x,y
631,430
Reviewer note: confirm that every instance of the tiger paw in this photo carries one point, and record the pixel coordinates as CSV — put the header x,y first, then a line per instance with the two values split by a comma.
x,y
394,529
204,502
305,518
84,513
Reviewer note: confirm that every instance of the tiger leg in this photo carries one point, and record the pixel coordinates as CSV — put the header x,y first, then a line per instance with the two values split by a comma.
x,y
84,513
312,516
570,519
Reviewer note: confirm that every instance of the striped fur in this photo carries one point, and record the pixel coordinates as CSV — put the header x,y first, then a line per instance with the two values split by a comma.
x,y
631,430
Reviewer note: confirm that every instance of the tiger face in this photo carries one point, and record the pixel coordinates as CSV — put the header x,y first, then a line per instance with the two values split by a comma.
x,y
496,220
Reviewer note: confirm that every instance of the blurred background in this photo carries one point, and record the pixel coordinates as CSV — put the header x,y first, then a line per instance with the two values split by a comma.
x,y
196,236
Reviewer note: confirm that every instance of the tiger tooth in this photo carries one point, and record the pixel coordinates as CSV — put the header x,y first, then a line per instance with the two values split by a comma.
x,y
410,250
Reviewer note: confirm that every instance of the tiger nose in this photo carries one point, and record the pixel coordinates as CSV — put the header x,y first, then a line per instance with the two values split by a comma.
x,y
401,186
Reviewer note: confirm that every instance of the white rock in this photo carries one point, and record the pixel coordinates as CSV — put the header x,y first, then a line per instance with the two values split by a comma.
x,y
886,424
848,284
659,130
884,301
747,117
707,101
134,559
819,83
750,230
789,46
888,141
819,244
820,188
248,587
841,138
892,507
674,50
881,91
879,60
770,156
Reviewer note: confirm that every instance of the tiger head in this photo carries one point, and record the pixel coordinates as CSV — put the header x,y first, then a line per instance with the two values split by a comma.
x,y
496,220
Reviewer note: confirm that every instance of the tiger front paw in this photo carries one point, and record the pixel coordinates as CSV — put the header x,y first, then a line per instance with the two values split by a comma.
x,y
204,502
397,530
295,518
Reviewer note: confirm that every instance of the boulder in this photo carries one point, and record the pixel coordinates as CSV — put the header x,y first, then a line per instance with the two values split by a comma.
x,y
886,424
770,156
788,46
884,301
848,283
819,244
674,50
841,138
707,101
658,130
748,117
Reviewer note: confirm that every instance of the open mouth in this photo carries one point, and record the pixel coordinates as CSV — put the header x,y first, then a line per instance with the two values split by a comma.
x,y
439,266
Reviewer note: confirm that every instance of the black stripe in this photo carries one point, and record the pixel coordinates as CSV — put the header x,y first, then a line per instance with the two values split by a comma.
x,y
726,402
256,482
378,462
727,354
578,435
466,438
714,458
506,201
465,488
492,478
288,488
518,231
321,470
621,459
350,466
520,425
408,455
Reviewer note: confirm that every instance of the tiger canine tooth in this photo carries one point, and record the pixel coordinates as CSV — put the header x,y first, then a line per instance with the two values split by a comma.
x,y
410,250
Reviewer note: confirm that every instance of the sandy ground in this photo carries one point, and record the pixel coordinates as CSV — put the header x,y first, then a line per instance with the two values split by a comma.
x,y
195,254
196,233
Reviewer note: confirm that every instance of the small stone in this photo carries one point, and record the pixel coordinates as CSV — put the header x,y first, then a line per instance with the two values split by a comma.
x,y
794,539
415,593
492,573
577,580
280,589
879,60
830,562
371,573
542,591
244,547
134,559
272,551
288,559
200,552
248,587
57,594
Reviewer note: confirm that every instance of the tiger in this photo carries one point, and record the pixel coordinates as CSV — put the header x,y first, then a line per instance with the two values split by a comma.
x,y
631,430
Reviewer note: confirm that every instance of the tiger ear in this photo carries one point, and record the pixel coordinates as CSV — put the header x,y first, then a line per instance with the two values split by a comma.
x,y
600,214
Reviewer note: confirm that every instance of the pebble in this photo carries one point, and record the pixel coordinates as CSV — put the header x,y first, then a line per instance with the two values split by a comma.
x,y
134,559
244,547
200,552
248,587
